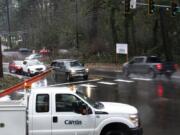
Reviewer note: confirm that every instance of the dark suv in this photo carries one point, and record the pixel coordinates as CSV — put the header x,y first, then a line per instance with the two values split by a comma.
x,y
69,69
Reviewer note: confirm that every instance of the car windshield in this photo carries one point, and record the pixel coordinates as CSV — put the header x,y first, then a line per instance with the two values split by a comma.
x,y
93,103
32,63
32,56
75,64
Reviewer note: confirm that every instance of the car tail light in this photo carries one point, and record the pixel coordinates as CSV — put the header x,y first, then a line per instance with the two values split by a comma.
x,y
17,67
159,66
175,66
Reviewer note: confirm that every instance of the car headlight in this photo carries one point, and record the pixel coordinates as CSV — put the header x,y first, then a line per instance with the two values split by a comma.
x,y
87,70
73,71
134,119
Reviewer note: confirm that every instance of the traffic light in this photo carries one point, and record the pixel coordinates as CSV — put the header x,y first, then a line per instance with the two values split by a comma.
x,y
173,8
127,6
151,6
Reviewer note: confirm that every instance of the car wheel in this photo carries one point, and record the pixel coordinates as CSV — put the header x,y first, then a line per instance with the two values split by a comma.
x,y
152,73
54,76
10,71
68,77
85,77
29,73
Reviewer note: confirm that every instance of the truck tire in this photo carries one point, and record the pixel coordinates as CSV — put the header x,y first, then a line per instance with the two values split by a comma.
x,y
126,72
152,73
116,132
168,75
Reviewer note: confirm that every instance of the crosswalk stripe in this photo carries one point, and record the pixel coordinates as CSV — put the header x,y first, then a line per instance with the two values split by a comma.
x,y
78,82
107,83
88,85
142,79
121,80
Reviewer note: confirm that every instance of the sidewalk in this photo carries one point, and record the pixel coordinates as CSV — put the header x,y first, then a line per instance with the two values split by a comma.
x,y
104,67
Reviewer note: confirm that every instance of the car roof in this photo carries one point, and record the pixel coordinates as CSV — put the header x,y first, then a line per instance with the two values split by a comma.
x,y
64,60
29,60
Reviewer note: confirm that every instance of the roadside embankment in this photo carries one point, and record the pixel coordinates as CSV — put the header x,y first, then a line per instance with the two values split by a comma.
x,y
104,66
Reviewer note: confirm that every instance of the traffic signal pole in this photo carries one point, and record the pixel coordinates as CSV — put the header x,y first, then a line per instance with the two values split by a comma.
x,y
1,64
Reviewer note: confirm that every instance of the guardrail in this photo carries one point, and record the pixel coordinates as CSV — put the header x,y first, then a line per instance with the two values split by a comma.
x,y
25,83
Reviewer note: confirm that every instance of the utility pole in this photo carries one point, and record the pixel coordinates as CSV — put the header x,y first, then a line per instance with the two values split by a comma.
x,y
165,37
9,26
1,64
77,33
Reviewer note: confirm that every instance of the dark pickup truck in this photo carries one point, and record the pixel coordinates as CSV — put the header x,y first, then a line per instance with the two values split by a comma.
x,y
151,65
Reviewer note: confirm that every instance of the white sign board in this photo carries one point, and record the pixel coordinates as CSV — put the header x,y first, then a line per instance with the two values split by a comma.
x,y
133,4
121,48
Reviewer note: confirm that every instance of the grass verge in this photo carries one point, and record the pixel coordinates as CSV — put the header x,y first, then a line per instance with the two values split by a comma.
x,y
8,81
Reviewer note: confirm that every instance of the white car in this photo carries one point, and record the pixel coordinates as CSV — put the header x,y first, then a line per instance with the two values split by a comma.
x,y
33,67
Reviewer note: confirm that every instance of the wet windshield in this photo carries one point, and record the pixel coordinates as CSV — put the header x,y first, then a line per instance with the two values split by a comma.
x,y
32,63
93,103
75,64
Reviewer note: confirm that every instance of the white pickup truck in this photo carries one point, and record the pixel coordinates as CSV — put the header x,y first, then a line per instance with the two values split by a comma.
x,y
60,111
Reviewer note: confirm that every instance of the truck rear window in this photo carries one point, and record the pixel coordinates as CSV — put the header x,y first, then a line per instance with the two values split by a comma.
x,y
153,60
42,103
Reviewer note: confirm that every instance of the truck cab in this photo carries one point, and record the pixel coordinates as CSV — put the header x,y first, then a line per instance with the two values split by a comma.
x,y
60,111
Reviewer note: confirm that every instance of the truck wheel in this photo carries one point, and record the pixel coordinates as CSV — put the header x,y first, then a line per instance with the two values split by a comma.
x,y
126,72
168,75
152,74
116,132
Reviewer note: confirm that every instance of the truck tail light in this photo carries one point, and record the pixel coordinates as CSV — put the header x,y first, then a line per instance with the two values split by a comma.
x,y
159,66
176,66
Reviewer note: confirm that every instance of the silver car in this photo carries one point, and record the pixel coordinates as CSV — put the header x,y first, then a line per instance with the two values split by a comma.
x,y
69,69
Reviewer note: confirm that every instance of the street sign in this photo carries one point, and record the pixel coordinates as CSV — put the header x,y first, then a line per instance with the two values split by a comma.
x,y
133,4
121,48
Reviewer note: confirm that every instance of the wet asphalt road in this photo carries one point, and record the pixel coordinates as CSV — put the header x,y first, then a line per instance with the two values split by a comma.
x,y
158,101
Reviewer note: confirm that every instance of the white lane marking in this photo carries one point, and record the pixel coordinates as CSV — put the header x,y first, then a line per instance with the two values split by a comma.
x,y
88,85
142,79
107,83
61,84
176,77
121,80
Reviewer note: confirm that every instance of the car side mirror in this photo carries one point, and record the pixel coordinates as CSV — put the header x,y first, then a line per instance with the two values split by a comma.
x,y
24,62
